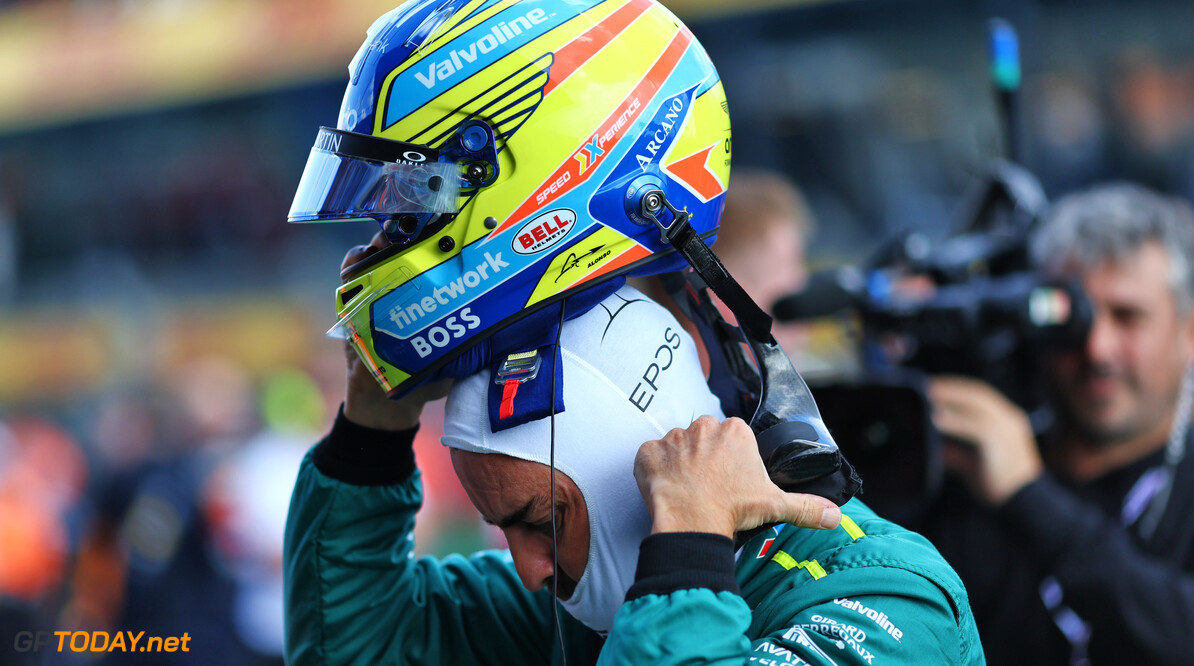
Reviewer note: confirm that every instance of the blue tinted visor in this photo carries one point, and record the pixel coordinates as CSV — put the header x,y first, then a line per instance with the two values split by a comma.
x,y
353,176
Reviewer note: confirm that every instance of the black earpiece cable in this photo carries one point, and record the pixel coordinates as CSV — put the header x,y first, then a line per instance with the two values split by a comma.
x,y
555,544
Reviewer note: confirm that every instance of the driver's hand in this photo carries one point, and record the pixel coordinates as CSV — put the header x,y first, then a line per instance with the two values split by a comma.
x,y
709,477
365,403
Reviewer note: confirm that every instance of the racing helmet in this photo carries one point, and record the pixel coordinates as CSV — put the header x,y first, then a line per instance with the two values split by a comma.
x,y
504,149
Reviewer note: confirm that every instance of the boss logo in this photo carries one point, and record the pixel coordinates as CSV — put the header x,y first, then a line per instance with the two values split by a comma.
x,y
438,337
544,231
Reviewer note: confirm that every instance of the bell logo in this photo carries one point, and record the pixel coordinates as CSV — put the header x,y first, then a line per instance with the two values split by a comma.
x,y
543,231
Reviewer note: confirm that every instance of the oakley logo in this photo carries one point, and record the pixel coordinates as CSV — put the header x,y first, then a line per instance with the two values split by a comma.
x,y
459,59
543,231
333,142
408,316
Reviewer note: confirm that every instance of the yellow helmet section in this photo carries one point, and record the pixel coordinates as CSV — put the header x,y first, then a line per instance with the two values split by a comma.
x,y
591,103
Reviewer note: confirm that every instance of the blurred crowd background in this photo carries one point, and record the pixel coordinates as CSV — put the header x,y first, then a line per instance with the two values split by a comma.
x,y
162,360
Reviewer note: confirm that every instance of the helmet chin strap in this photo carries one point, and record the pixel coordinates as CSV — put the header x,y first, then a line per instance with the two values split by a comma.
x,y
753,321
770,394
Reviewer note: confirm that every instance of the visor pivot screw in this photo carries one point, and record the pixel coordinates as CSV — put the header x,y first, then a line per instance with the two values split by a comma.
x,y
446,244
475,173
474,138
491,222
434,183
408,224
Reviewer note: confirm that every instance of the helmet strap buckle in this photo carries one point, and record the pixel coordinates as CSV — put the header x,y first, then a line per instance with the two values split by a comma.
x,y
653,203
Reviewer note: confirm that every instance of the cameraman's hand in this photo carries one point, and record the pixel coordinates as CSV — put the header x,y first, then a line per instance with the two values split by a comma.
x,y
709,478
365,403
993,449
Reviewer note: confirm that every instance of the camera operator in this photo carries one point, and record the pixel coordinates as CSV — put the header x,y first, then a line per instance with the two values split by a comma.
x,y
1077,548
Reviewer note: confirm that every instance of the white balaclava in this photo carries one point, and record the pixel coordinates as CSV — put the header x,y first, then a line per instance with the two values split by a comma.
x,y
630,374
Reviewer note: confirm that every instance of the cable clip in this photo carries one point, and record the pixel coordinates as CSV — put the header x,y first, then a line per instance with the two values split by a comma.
x,y
521,367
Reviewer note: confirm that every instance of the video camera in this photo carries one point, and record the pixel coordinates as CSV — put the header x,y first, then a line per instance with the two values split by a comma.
x,y
971,305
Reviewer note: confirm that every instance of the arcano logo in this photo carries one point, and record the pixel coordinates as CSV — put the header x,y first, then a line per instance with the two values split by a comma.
x,y
406,316
461,58
673,112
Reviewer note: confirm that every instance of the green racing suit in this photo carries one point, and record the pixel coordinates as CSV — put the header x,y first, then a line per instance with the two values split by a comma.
x,y
867,592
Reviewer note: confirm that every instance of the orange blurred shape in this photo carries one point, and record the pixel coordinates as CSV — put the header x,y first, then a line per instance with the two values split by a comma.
x,y
41,477
31,547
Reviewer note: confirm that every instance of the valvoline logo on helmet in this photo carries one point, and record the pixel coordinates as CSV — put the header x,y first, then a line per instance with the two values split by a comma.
x,y
460,59
470,53
544,231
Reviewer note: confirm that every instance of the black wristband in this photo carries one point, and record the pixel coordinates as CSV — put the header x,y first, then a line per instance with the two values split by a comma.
x,y
363,456
684,560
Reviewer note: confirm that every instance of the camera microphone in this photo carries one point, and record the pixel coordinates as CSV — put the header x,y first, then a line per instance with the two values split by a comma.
x,y
828,292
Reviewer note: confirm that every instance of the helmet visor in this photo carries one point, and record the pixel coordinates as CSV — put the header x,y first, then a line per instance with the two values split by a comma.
x,y
353,176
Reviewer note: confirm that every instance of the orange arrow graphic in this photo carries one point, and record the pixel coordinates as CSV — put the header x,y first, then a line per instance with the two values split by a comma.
x,y
693,171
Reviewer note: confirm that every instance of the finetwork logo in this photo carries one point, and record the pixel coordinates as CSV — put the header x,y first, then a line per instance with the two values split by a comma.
x,y
406,317
460,59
